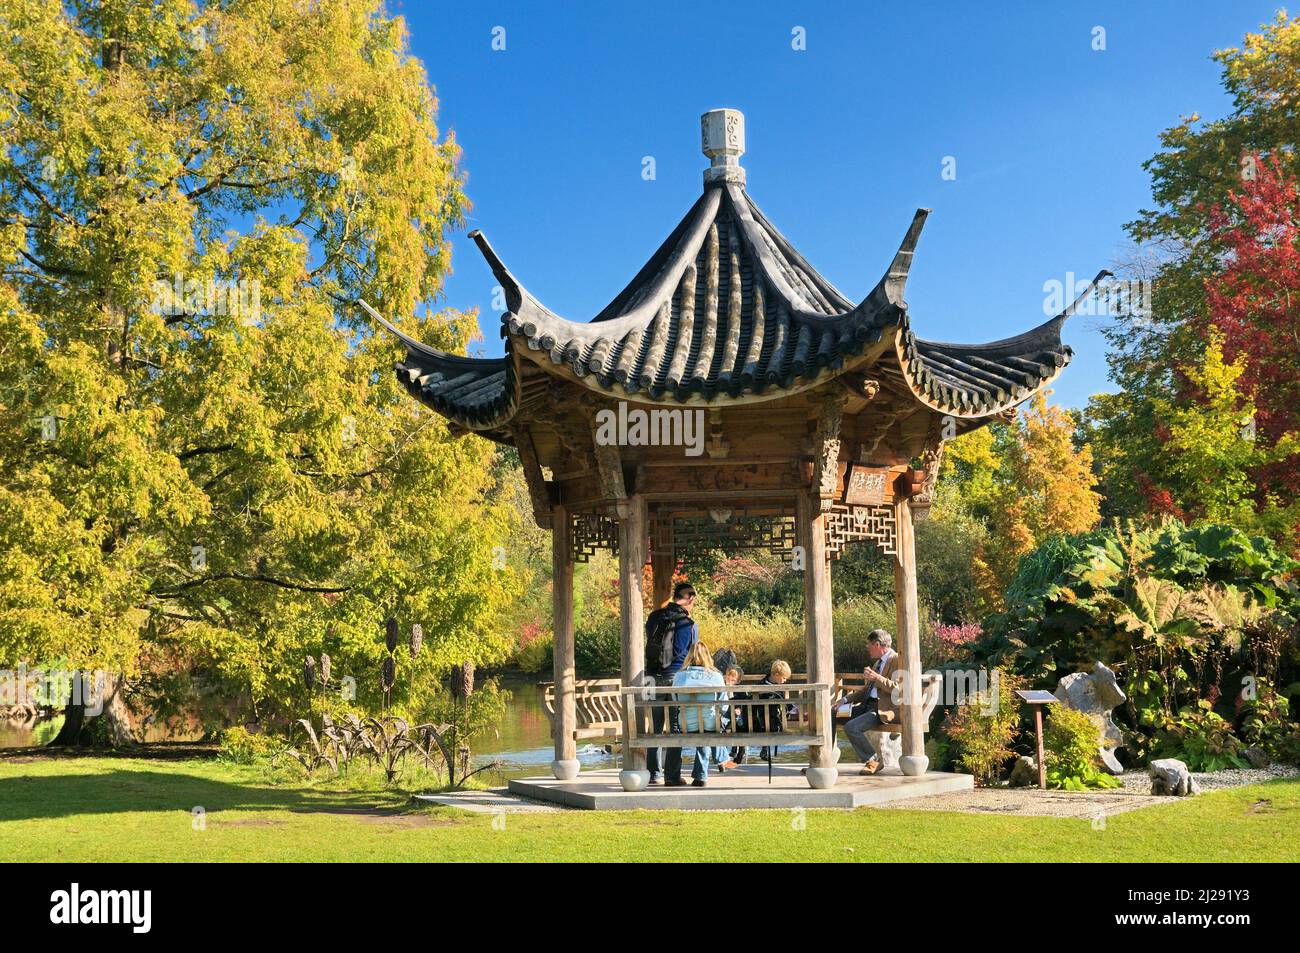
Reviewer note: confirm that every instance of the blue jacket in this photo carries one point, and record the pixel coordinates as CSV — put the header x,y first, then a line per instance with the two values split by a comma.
x,y
685,634
695,675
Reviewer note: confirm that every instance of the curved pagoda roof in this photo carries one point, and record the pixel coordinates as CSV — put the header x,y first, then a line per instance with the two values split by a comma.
x,y
726,311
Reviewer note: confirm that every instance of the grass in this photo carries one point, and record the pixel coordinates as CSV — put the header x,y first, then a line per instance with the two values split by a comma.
x,y
93,808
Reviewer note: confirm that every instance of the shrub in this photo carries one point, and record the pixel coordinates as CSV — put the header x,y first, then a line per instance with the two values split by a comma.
x,y
598,650
1070,740
758,639
1265,721
852,621
241,746
1200,738
981,731
533,646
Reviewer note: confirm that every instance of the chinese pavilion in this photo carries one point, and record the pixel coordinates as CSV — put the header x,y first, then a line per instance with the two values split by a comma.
x,y
823,422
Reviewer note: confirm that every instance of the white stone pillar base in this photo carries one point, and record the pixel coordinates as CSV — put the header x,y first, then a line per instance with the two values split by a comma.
x,y
822,778
634,780
914,765
565,770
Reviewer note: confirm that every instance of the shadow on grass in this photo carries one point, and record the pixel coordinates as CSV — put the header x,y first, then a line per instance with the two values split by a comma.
x,y
32,797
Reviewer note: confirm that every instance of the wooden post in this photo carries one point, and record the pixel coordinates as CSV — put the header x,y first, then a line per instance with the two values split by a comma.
x,y
631,570
810,527
913,761
565,766
1038,733
662,561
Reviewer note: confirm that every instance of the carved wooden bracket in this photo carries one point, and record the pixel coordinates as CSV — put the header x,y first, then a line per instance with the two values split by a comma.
x,y
861,385
717,446
609,461
539,490
826,449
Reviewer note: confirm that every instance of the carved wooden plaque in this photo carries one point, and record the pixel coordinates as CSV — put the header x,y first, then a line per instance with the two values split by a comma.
x,y
866,486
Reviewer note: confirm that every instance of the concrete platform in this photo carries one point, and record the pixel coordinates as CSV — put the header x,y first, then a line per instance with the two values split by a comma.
x,y
739,789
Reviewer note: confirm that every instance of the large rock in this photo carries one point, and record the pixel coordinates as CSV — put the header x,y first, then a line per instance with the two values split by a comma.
x,y
1095,693
1257,758
1170,776
1024,773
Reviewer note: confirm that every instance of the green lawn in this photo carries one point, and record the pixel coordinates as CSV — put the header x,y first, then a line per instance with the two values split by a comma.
x,y
113,808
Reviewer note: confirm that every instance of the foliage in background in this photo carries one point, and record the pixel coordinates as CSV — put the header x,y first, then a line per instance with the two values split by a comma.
x,y
224,489
1219,247
1024,482
1183,614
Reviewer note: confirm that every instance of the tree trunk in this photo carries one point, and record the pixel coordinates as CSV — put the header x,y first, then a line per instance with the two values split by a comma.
x,y
119,731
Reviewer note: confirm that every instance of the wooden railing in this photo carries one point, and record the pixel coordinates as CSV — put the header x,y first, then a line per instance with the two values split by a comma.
x,y
597,705
598,702
790,714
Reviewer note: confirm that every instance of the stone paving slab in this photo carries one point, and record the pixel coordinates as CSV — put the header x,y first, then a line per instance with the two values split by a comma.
x,y
740,789
494,801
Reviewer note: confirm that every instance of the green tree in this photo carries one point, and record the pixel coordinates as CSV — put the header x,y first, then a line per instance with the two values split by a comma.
x,y
1213,452
208,467
1182,251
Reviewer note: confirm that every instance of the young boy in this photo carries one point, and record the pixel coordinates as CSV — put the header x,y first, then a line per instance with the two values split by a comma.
x,y
723,755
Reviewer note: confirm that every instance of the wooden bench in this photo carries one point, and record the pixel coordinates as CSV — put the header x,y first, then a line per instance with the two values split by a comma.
x,y
598,704
799,730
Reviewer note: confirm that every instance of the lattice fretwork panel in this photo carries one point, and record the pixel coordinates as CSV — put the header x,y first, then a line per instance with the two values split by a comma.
x,y
730,529
589,532
844,524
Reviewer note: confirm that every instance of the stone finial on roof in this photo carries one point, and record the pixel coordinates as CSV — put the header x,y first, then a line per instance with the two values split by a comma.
x,y
722,137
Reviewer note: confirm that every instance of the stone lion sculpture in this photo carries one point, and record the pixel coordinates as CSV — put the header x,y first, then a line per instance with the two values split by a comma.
x,y
1095,694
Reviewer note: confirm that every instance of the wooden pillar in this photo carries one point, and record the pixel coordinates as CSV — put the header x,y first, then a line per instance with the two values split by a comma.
x,y
565,766
913,761
810,526
662,561
631,573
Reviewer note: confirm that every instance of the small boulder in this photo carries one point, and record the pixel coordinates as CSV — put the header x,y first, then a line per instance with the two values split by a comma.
x,y
1257,757
1024,773
1170,776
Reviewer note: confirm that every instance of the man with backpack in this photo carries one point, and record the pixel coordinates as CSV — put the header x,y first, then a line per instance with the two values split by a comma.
x,y
669,634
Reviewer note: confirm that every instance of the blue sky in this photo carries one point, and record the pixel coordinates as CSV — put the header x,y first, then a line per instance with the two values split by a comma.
x,y
845,139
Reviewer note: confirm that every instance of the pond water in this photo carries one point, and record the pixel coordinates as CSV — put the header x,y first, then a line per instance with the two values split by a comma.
x,y
521,743
524,748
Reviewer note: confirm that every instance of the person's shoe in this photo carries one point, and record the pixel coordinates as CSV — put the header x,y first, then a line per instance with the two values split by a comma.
x,y
656,778
699,783
674,783
726,764
871,767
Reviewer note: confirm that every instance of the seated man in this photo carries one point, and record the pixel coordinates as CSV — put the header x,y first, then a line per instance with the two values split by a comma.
x,y
876,698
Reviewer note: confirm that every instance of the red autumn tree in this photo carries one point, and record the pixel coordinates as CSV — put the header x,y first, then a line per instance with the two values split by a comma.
x,y
1254,303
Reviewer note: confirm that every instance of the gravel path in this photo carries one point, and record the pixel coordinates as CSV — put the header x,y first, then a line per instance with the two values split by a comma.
x,y
1139,781
1085,805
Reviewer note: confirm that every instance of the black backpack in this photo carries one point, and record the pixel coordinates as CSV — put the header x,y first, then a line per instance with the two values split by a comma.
x,y
660,629
724,659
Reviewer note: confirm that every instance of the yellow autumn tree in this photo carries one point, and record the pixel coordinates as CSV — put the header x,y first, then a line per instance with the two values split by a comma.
x,y
1026,481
